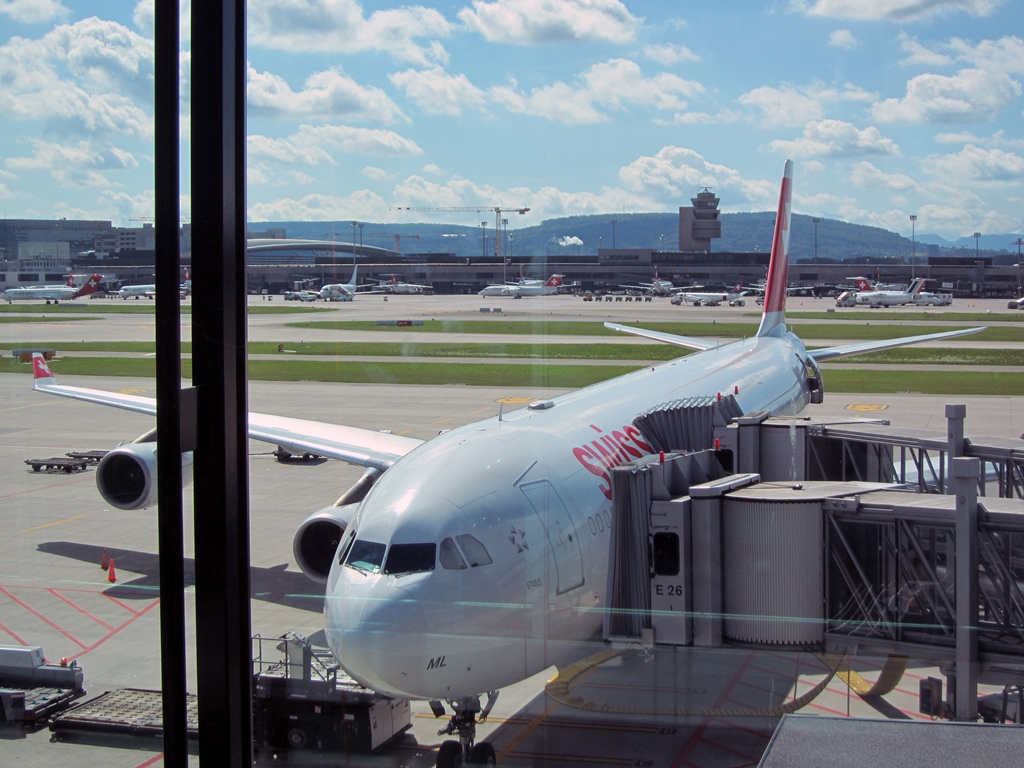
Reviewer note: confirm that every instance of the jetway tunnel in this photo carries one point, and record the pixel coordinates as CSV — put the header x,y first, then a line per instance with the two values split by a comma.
x,y
851,537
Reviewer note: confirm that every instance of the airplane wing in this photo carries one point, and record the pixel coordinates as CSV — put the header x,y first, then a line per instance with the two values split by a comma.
x,y
362,447
669,338
827,353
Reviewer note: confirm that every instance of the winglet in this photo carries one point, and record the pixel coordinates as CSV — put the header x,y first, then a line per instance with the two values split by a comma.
x,y
778,266
42,376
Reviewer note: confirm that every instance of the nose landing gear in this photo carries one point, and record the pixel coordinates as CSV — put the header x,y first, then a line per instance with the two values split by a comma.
x,y
465,752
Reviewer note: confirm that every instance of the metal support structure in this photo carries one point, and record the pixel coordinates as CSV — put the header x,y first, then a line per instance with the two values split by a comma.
x,y
223,647
955,415
965,473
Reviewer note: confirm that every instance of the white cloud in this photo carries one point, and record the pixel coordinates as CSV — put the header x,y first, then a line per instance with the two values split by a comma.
x,y
310,145
969,96
796,105
338,26
835,138
326,94
975,164
93,76
33,11
893,10
919,55
676,172
375,174
527,22
144,19
613,85
76,165
437,92
670,54
865,175
361,204
843,38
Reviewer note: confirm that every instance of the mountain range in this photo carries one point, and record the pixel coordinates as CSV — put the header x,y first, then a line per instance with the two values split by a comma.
x,y
828,240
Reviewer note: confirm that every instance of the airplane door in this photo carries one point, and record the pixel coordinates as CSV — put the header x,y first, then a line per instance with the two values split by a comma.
x,y
561,532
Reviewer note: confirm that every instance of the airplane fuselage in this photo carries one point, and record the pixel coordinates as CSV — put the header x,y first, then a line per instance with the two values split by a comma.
x,y
502,529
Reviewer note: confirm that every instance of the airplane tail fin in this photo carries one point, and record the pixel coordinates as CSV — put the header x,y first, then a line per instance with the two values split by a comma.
x,y
90,287
42,376
554,281
773,320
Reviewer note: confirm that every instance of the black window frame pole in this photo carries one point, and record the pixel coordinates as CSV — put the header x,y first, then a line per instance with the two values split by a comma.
x,y
223,615
170,527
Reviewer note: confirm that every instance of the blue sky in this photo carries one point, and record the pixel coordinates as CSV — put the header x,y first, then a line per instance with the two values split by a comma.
x,y
888,107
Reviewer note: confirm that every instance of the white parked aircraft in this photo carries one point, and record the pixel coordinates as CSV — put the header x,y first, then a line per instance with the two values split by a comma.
x,y
395,286
128,291
889,298
658,287
340,291
711,298
471,561
524,288
55,293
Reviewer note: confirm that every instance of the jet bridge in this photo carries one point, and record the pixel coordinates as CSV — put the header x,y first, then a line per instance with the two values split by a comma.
x,y
851,536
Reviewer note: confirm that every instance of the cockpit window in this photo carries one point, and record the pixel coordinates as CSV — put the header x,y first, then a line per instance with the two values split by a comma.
x,y
450,557
475,552
366,556
410,558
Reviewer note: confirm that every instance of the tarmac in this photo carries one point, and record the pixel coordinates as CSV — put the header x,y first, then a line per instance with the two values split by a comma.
x,y
663,707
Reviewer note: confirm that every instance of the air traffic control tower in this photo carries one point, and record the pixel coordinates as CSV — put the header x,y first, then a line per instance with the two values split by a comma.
x,y
697,225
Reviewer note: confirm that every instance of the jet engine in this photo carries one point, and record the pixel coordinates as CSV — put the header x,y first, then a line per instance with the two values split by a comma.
x,y
126,476
317,540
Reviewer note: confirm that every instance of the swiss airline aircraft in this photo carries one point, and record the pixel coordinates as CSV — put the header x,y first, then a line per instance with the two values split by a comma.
x,y
879,298
710,298
55,293
462,564
524,288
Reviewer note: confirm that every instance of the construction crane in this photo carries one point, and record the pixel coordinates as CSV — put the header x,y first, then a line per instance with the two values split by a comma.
x,y
498,210
398,240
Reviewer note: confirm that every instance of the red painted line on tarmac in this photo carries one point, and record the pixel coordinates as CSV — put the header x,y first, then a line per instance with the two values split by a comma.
x,y
41,617
698,732
78,608
45,488
117,629
122,604
13,634
151,761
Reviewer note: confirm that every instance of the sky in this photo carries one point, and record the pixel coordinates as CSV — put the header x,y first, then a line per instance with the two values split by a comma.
x,y
566,107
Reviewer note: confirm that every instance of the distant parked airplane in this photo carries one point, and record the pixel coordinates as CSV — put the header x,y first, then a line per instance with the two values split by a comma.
x,y
889,298
55,293
524,288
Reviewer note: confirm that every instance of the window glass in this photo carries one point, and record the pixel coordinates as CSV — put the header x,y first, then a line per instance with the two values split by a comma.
x,y
665,551
410,558
366,556
450,557
476,553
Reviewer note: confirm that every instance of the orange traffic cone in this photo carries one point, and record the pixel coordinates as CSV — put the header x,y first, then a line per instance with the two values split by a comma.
x,y
111,575
104,562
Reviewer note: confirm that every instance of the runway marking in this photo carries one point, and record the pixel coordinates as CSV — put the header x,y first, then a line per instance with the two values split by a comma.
x,y
152,761
42,618
866,407
44,488
55,522
13,634
77,607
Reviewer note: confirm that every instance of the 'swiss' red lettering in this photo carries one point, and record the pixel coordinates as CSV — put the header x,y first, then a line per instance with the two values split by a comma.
x,y
610,451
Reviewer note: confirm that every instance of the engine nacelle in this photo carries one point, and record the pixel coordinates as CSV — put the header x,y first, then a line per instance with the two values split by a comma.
x,y
317,540
126,476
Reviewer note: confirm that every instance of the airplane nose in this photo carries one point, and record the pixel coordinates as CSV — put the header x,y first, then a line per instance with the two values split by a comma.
x,y
377,638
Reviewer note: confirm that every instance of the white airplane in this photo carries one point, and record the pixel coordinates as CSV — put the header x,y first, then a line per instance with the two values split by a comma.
x,y
149,290
524,288
340,291
55,293
466,563
710,298
395,286
889,298
658,287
